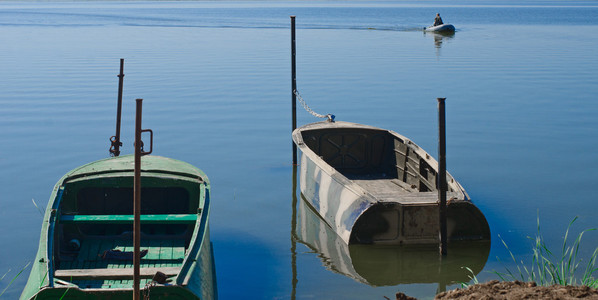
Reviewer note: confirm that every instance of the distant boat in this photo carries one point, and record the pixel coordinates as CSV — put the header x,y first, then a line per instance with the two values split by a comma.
x,y
376,186
441,28
86,244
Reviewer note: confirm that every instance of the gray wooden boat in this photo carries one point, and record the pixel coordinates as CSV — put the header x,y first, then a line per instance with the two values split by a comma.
x,y
376,186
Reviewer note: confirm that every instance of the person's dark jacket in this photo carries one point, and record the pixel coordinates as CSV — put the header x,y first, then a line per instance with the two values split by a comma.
x,y
437,21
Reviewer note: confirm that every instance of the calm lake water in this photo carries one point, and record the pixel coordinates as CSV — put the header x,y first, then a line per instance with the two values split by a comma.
x,y
520,78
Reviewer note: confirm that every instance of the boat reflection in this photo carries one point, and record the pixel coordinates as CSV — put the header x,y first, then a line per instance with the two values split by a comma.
x,y
440,37
378,265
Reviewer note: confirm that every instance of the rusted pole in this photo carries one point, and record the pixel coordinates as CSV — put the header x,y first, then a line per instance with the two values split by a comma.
x,y
442,174
116,143
137,202
293,85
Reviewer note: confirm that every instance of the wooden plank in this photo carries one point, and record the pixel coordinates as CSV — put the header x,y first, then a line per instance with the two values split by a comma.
x,y
401,159
166,250
393,190
178,250
412,169
428,198
127,219
113,273
404,186
153,250
378,186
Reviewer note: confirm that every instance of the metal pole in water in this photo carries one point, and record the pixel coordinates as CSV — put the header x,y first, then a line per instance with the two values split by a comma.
x,y
116,143
293,85
294,238
137,202
442,174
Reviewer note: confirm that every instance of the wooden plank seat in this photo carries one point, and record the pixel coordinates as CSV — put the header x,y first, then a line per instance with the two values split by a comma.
x,y
128,219
161,253
113,273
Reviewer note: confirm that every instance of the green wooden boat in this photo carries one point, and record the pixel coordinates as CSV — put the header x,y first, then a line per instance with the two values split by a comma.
x,y
86,243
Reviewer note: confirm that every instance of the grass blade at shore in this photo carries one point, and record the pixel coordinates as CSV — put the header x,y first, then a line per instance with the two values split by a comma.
x,y
547,268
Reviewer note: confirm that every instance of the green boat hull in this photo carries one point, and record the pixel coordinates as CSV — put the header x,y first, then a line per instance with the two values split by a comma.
x,y
86,233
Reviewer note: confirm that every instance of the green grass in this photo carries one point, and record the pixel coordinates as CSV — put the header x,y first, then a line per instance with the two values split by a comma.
x,y
40,209
548,268
472,278
13,279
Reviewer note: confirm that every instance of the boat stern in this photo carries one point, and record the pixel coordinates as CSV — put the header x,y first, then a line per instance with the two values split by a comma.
x,y
394,223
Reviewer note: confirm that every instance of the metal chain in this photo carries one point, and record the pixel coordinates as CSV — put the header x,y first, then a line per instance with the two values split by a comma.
x,y
309,110
146,290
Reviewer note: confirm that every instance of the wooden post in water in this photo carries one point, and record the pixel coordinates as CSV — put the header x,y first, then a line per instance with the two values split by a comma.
x,y
293,85
442,175
137,202
115,140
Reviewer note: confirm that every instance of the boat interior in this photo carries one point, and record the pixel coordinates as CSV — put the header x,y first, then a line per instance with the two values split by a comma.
x,y
93,236
372,154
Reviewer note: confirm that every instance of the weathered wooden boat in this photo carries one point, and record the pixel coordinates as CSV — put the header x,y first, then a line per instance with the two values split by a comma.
x,y
440,28
388,265
86,244
376,186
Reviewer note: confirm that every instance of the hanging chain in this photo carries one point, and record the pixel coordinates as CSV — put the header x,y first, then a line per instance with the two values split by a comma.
x,y
146,290
309,110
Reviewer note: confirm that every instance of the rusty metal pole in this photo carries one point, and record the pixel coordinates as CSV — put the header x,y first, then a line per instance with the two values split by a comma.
x,y
442,174
116,143
137,202
293,85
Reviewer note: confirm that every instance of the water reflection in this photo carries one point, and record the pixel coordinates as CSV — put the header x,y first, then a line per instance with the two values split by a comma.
x,y
294,236
439,38
378,265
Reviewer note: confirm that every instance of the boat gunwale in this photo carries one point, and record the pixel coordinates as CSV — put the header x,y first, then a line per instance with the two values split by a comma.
x,y
80,172
199,236
127,172
342,179
158,288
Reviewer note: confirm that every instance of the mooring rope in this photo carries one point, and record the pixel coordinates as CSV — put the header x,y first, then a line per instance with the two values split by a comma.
x,y
330,117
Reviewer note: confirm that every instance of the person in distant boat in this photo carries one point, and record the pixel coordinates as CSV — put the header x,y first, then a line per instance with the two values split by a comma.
x,y
437,20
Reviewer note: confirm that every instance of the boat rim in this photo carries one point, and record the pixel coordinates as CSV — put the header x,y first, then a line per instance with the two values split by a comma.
x,y
298,140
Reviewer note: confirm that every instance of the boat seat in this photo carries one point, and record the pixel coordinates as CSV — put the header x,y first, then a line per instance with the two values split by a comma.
x,y
122,273
128,219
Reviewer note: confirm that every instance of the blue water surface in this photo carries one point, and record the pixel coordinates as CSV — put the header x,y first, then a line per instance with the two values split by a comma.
x,y
519,77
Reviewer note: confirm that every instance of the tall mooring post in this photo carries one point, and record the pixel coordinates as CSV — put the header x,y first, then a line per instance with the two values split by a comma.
x,y
442,175
293,86
137,202
139,152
